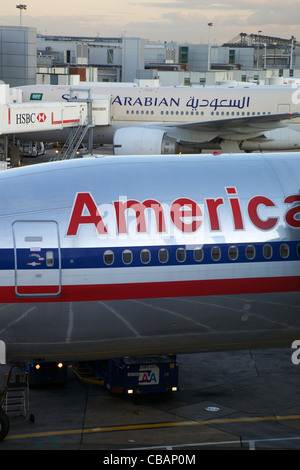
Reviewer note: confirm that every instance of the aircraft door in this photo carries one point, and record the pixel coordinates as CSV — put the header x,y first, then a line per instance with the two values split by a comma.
x,y
283,108
37,258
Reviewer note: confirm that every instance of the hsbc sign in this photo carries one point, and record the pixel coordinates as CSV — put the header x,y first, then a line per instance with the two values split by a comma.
x,y
37,117
30,118
41,117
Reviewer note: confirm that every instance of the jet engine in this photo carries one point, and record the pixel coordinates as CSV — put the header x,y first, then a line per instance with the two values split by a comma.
x,y
143,141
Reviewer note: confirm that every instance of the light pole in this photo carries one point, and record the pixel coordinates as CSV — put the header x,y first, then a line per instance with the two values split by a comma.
x,y
265,58
21,7
208,63
258,48
291,56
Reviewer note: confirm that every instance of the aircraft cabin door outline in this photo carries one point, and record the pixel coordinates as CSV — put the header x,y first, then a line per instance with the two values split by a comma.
x,y
283,108
37,258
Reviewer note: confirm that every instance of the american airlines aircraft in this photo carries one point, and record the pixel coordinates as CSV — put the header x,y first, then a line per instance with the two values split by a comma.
x,y
112,256
165,120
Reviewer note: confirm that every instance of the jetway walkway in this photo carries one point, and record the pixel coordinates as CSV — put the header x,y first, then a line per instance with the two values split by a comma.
x,y
80,115
98,112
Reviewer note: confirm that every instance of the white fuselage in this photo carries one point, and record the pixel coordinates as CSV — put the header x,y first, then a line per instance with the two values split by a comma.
x,y
169,108
113,256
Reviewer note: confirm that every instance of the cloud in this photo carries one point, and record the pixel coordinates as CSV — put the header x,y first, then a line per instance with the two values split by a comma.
x,y
279,15
177,20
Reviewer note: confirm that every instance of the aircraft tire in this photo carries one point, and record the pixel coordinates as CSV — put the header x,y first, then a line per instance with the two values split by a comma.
x,y
4,424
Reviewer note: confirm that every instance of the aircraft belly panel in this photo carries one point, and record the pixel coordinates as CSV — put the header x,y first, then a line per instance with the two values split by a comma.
x,y
146,326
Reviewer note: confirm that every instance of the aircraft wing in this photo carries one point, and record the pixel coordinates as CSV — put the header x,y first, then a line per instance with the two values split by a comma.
x,y
239,125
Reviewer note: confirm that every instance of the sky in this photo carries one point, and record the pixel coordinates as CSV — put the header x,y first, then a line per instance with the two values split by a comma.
x,y
154,20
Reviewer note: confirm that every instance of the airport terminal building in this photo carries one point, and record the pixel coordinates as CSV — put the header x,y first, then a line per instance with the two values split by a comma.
x,y
27,58
125,59
18,58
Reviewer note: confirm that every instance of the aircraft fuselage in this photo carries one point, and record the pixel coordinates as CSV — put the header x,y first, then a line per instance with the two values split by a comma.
x,y
114,256
171,108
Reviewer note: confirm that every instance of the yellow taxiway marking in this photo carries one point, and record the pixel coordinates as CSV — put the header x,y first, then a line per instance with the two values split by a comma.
x,y
134,427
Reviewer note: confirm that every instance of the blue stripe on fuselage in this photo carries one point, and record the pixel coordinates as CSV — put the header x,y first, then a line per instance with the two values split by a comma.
x,y
80,258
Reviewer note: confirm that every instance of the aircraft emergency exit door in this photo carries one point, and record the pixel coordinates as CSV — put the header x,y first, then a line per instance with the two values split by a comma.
x,y
37,258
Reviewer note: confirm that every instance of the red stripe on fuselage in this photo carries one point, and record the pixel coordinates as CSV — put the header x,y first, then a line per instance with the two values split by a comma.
x,y
157,290
25,290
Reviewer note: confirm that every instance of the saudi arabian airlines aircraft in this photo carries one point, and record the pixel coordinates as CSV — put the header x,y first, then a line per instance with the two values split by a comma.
x,y
112,256
165,120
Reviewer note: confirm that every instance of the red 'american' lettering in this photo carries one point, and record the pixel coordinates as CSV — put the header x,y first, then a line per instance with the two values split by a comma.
x,y
185,213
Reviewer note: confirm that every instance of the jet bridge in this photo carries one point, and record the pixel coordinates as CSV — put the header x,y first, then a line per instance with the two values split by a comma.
x,y
98,113
83,112
18,118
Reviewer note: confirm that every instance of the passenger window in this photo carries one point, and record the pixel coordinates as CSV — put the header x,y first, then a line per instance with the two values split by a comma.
x,y
233,252
216,253
163,255
267,251
145,256
198,254
127,257
181,255
108,257
284,250
49,259
250,252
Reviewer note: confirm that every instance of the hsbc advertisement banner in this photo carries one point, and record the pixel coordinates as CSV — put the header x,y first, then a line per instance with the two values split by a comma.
x,y
29,117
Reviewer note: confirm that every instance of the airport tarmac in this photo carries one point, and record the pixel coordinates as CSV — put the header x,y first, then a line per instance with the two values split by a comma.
x,y
239,400
235,400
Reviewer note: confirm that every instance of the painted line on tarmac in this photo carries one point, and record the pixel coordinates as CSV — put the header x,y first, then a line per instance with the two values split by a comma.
x,y
136,427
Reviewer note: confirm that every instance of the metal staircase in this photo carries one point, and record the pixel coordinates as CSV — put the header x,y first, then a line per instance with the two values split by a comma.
x,y
72,144
101,116
14,399
77,134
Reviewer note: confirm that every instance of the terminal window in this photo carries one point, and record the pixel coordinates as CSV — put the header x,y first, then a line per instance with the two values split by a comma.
x,y
183,54
110,56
